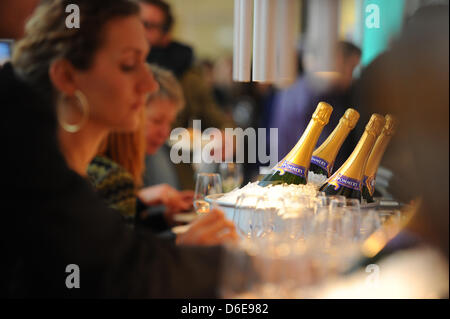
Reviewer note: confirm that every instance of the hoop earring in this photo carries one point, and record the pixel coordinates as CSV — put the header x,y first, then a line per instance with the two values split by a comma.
x,y
82,101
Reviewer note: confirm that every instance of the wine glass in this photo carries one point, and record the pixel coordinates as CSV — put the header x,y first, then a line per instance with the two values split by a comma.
x,y
297,218
232,175
206,184
353,206
244,214
266,216
370,223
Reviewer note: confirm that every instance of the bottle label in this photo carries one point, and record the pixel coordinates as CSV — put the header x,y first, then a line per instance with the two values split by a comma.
x,y
322,163
292,168
341,180
369,181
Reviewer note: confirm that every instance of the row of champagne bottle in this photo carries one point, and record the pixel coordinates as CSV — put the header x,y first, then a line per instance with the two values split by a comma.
x,y
356,177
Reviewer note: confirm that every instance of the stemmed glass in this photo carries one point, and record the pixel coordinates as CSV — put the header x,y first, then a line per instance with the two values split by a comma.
x,y
206,184
297,218
232,175
244,211
370,223
267,216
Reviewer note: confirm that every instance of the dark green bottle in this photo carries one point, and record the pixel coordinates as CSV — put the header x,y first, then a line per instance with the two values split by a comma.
x,y
293,169
347,180
316,169
365,193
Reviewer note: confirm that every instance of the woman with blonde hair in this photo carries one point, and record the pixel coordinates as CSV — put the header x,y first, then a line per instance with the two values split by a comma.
x,y
117,172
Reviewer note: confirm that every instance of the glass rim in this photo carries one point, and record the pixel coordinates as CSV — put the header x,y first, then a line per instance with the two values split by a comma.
x,y
208,174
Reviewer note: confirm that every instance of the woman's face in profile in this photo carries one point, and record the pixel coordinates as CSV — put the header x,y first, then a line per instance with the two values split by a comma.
x,y
118,82
161,114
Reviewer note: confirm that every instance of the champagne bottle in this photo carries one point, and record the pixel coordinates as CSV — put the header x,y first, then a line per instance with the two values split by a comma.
x,y
375,158
323,157
293,168
347,180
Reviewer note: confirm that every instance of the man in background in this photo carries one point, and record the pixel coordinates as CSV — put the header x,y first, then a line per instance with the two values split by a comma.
x,y
166,52
294,106
179,58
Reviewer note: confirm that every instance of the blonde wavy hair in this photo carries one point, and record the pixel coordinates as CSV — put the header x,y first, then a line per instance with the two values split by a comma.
x,y
128,149
169,87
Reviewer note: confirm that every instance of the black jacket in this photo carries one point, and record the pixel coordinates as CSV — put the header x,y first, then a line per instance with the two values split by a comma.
x,y
52,218
176,57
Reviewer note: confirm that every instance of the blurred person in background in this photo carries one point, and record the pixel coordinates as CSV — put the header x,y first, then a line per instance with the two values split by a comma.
x,y
219,77
104,62
179,58
116,172
294,106
200,104
166,52
254,107
162,109
249,104
119,172
117,175
411,80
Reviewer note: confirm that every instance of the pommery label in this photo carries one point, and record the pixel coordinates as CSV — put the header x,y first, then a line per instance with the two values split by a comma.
x,y
292,168
322,163
342,180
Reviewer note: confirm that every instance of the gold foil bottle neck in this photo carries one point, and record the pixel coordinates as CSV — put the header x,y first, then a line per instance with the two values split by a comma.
x,y
322,113
375,124
350,118
390,126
